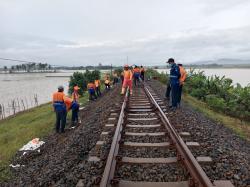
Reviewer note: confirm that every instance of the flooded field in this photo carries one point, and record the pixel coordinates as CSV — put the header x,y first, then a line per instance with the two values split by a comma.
x,y
23,88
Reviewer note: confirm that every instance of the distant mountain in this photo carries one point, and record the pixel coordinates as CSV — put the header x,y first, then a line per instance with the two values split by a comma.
x,y
223,61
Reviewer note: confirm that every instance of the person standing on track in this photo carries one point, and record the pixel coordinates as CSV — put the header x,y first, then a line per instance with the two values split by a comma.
x,y
182,79
98,87
127,82
91,90
75,106
142,73
174,82
137,74
107,83
60,109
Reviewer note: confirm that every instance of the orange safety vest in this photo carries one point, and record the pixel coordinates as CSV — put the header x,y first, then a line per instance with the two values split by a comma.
x,y
183,75
91,85
128,74
136,70
58,97
68,102
97,83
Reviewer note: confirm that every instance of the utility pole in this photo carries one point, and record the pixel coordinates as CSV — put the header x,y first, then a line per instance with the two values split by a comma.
x,y
127,59
111,70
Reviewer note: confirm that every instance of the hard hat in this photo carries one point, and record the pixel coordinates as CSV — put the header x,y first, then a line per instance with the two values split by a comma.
x,y
76,88
60,88
126,66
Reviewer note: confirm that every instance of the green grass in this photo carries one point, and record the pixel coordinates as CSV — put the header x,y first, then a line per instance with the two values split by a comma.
x,y
18,130
241,128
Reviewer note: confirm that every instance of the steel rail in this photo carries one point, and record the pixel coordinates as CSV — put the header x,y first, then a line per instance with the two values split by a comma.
x,y
109,170
198,176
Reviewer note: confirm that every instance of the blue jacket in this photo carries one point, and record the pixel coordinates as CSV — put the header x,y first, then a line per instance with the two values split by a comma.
x,y
174,74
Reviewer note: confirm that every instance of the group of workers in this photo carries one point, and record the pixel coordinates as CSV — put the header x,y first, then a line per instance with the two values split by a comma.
x,y
174,88
137,74
62,104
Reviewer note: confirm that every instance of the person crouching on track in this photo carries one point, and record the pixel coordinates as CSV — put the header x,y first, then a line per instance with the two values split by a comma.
x,y
98,87
75,106
107,83
91,90
60,109
127,82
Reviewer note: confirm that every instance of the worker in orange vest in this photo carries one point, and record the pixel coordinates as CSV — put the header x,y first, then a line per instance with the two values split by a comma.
x,y
68,102
136,74
75,106
181,80
98,87
107,83
142,73
91,90
60,109
127,82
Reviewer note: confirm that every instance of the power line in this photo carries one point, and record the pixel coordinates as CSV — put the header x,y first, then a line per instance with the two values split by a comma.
x,y
15,60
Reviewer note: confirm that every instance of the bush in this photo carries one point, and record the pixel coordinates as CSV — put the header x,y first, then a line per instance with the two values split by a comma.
x,y
217,92
216,103
82,79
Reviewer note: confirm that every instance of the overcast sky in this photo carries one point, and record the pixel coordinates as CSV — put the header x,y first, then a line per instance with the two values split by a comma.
x,y
81,32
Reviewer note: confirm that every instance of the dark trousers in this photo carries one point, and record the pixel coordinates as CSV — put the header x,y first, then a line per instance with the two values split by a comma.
x,y
179,95
107,86
142,76
92,96
174,94
136,80
60,120
98,92
115,81
74,115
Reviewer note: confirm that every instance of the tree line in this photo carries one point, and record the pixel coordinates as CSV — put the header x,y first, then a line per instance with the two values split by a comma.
x,y
29,67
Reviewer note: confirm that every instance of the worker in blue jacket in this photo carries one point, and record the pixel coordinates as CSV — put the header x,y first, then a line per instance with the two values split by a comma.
x,y
174,82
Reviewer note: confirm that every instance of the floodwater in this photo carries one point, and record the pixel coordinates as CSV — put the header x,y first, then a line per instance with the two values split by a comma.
x,y
241,76
22,87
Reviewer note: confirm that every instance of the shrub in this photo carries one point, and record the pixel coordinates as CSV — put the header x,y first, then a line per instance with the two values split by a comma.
x,y
82,79
216,103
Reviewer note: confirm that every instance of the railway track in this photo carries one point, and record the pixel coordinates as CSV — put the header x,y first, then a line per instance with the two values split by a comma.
x,y
147,151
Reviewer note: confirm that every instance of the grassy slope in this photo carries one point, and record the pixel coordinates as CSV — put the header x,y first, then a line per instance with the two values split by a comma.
x,y
240,128
17,131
